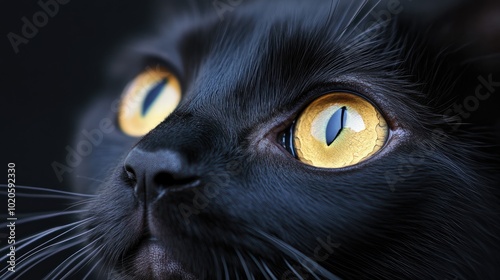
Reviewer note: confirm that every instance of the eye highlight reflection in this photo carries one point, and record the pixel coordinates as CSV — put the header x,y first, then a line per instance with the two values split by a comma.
x,y
337,130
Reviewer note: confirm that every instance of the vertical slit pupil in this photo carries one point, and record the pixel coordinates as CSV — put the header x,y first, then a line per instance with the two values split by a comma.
x,y
335,125
153,93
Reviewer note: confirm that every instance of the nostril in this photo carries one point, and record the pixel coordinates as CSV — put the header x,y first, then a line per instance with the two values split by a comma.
x,y
154,173
172,182
130,173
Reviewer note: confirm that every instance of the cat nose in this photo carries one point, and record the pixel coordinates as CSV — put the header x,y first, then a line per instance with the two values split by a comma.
x,y
155,173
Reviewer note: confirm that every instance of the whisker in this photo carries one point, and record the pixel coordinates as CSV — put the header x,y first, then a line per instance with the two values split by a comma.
x,y
93,267
261,269
353,18
42,195
293,270
266,268
71,259
342,20
33,238
36,249
90,179
50,190
333,10
359,38
85,261
298,256
244,265
49,253
236,275
31,253
226,271
43,216
102,268
41,257
355,27
216,264
81,202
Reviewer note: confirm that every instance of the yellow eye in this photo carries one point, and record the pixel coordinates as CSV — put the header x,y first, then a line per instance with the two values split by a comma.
x,y
148,100
338,130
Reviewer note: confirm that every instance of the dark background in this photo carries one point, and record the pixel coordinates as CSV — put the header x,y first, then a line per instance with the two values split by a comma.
x,y
51,81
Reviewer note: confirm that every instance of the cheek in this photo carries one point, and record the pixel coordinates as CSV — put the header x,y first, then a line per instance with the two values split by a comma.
x,y
334,199
95,155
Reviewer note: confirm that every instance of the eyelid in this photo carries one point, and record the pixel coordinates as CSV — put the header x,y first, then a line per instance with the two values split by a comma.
x,y
368,91
147,100
284,118
150,60
349,84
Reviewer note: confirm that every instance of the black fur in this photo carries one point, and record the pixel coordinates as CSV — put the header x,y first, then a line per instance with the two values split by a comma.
x,y
425,207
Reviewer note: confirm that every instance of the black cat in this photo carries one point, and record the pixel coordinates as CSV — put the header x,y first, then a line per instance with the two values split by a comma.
x,y
293,140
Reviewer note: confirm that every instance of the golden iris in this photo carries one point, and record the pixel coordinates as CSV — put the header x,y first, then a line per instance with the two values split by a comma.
x,y
339,130
148,100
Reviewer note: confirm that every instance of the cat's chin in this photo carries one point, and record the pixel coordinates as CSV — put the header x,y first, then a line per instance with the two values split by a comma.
x,y
151,260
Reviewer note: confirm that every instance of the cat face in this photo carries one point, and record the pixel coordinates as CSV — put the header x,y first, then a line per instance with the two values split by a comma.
x,y
210,170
